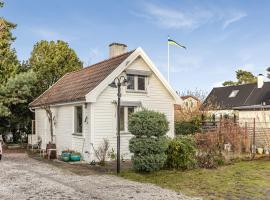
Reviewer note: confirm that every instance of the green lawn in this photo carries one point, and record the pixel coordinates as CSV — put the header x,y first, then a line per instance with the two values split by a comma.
x,y
242,180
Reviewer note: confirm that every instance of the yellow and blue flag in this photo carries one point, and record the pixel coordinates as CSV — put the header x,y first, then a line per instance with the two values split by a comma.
x,y
172,42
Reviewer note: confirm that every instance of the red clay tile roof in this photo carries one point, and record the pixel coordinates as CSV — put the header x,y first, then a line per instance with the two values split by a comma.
x,y
75,85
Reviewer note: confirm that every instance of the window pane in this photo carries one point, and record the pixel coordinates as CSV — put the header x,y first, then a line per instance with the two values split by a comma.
x,y
122,119
141,82
79,119
130,110
131,82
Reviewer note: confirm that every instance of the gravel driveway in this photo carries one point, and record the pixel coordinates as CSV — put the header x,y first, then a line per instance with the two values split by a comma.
x,y
24,178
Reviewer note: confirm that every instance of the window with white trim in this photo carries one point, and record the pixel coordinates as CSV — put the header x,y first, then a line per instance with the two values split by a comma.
x,y
78,120
125,112
136,83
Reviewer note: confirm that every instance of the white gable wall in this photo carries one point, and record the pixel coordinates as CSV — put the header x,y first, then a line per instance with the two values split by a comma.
x,y
157,98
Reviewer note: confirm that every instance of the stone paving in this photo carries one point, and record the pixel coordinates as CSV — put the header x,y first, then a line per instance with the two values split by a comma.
x,y
23,178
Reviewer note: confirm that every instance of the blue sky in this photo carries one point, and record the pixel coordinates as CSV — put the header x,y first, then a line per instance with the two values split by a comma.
x,y
221,36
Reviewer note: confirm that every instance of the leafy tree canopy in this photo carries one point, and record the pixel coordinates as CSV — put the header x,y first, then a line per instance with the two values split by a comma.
x,y
51,60
9,63
243,77
19,89
15,96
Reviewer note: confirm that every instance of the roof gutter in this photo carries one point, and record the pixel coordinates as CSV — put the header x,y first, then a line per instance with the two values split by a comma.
x,y
60,104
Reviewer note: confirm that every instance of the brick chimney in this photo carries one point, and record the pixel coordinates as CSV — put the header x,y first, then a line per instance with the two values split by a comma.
x,y
116,49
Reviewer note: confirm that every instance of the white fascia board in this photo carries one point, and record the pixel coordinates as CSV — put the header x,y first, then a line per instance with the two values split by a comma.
x,y
92,96
62,104
161,77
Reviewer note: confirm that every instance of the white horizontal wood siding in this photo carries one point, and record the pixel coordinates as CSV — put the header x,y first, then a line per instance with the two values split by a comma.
x,y
42,128
64,128
157,98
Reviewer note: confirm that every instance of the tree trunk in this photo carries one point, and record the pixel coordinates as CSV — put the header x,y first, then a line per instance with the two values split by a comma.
x,y
50,119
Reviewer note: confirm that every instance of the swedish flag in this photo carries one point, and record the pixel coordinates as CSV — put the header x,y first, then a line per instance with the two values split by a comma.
x,y
172,42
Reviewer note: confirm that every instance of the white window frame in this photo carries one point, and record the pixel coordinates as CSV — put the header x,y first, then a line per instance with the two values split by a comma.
x,y
126,118
136,90
75,120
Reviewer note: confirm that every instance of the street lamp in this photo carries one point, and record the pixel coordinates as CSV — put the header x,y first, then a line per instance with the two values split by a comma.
x,y
117,83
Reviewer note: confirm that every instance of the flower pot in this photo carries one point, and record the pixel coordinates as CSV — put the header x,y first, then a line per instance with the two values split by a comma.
x,y
260,150
65,156
75,157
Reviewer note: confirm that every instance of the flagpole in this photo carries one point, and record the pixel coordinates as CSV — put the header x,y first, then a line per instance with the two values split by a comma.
x,y
168,60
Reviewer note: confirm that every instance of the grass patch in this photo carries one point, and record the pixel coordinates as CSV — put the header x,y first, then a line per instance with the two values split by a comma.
x,y
242,180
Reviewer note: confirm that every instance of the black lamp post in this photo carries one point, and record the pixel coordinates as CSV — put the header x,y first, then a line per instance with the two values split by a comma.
x,y
117,83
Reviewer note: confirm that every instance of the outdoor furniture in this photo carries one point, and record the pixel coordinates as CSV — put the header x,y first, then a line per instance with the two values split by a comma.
x,y
49,151
42,152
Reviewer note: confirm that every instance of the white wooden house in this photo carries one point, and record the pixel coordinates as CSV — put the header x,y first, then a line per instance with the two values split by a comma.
x,y
84,105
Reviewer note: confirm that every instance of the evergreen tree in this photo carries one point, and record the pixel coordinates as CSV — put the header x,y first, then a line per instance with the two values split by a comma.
x,y
9,63
243,77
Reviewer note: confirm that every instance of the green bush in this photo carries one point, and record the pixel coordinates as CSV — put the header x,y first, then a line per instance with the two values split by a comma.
x,y
181,153
143,146
186,128
148,123
148,163
150,143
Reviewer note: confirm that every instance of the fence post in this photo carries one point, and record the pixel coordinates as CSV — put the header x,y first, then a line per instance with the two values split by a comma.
x,y
246,135
254,140
219,137
214,119
203,120
234,119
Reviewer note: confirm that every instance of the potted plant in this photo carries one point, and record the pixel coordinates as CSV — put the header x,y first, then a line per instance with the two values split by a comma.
x,y
65,156
260,150
75,156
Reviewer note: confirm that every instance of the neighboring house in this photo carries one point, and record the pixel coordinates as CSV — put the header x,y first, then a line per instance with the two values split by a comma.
x,y
84,105
241,100
249,103
190,102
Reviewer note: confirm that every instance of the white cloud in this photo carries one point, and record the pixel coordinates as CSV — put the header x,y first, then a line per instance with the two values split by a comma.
x,y
234,18
191,19
170,18
48,34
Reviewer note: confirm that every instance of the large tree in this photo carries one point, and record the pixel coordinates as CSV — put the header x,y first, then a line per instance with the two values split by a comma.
x,y
243,77
15,96
50,60
9,64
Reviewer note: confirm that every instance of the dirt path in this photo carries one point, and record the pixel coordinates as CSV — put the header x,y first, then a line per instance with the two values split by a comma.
x,y
24,178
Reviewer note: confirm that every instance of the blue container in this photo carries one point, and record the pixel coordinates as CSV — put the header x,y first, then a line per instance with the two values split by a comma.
x,y
65,156
75,157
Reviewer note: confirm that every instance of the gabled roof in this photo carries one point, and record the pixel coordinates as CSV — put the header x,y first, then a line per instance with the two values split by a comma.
x,y
247,95
138,53
189,96
75,85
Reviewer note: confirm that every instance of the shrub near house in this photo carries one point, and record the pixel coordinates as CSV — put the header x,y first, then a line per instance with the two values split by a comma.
x,y
149,142
181,153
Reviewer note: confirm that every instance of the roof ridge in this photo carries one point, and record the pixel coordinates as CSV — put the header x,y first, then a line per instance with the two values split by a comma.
x,y
235,85
100,62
